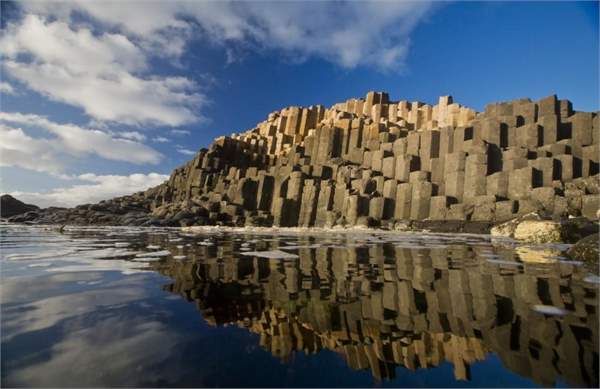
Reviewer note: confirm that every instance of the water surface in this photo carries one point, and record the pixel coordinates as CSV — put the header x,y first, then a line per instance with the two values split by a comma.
x,y
158,307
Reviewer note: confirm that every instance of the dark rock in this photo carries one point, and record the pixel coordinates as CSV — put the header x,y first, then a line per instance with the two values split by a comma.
x,y
586,250
10,206
575,229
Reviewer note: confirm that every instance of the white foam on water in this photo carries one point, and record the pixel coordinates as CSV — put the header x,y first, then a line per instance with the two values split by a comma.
x,y
179,257
549,310
162,253
122,244
153,247
273,254
592,279
147,259
188,235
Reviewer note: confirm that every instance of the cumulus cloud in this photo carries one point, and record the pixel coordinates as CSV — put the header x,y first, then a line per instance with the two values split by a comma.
x,y
93,189
46,154
105,74
19,149
348,34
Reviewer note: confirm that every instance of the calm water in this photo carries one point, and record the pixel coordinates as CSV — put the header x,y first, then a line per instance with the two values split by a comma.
x,y
135,307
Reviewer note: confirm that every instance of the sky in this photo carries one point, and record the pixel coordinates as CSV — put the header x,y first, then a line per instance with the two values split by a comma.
x,y
100,99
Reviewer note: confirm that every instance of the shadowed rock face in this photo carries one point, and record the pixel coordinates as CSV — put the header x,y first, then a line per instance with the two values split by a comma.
x,y
375,162
386,306
9,206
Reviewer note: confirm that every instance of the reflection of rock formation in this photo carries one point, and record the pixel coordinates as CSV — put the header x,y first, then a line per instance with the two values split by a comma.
x,y
383,306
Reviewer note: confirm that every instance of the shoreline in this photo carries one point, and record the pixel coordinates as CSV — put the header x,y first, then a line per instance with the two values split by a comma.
x,y
448,228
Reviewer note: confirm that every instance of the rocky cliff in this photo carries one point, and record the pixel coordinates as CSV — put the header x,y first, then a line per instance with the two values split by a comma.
x,y
377,162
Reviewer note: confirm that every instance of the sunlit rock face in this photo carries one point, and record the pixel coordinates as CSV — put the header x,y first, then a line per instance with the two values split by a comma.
x,y
409,302
385,161
376,162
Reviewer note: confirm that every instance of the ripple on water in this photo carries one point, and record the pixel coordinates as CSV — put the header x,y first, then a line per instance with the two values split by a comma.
x,y
272,254
549,310
363,280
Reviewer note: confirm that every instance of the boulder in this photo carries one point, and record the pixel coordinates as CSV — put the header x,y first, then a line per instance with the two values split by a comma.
x,y
532,228
586,250
539,231
507,229
577,228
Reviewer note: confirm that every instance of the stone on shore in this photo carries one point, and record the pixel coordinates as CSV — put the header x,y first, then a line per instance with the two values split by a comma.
x,y
586,250
539,231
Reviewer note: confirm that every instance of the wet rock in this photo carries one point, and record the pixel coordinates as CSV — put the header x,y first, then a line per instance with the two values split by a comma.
x,y
533,228
586,250
539,231
575,229
507,229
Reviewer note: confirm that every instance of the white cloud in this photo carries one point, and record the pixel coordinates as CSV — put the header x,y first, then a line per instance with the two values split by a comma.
x,y
95,188
180,132
133,135
160,139
184,151
47,154
19,149
6,88
348,34
104,74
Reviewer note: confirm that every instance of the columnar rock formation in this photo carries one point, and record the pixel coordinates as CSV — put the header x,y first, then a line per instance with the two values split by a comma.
x,y
373,161
376,161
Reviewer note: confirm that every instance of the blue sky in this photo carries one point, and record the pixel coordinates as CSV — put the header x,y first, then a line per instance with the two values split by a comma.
x,y
102,100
